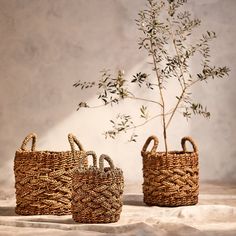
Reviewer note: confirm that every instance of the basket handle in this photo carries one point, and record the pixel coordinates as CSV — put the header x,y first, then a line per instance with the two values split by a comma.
x,y
73,140
101,162
154,148
86,154
183,144
32,136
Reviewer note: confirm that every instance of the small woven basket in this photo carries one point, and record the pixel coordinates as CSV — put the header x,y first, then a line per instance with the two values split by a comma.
x,y
43,178
97,192
170,180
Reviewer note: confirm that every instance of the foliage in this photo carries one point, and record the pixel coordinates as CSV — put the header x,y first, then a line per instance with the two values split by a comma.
x,y
166,32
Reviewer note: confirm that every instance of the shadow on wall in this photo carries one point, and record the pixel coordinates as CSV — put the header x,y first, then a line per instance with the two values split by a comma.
x,y
45,47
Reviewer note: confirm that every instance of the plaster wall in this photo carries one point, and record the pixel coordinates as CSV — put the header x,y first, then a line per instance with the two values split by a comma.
x,y
47,45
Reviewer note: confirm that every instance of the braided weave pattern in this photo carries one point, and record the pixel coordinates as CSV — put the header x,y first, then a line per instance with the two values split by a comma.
x,y
43,181
96,195
171,180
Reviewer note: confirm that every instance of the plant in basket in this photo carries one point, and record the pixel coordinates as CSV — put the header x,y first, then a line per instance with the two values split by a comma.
x,y
166,34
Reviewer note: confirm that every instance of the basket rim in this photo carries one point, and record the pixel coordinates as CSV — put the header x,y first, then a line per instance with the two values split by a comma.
x,y
46,151
156,142
163,153
91,170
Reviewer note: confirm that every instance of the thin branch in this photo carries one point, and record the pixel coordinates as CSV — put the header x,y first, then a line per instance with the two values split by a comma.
x,y
161,95
148,120
176,107
94,107
193,82
144,99
177,54
128,97
178,77
180,99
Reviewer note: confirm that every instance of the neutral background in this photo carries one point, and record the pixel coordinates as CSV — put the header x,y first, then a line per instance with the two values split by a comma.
x,y
47,45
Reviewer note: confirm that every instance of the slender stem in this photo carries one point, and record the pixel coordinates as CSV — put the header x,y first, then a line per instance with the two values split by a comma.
x,y
161,95
144,99
179,100
176,107
193,82
148,120
93,107
183,86
128,97
177,54
178,77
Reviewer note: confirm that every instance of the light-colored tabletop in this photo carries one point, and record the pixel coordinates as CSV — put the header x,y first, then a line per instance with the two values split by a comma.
x,y
214,215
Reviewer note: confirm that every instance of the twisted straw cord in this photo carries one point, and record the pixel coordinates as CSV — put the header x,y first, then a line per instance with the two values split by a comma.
x,y
156,142
183,144
72,139
85,155
32,136
101,162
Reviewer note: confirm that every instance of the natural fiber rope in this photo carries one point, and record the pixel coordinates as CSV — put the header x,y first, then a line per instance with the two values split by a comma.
x,y
84,156
97,192
73,140
183,144
170,180
32,136
156,142
101,162
43,179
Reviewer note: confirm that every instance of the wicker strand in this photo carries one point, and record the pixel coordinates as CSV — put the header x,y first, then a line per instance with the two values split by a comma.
x,y
32,136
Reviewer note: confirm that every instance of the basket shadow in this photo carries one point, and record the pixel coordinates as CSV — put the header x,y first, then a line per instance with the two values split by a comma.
x,y
128,199
64,220
7,211
133,200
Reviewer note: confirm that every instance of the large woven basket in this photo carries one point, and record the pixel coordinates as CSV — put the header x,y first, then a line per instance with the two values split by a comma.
x,y
170,180
43,178
97,192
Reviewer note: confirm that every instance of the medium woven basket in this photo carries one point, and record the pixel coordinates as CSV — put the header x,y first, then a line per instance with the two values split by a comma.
x,y
170,180
43,178
97,192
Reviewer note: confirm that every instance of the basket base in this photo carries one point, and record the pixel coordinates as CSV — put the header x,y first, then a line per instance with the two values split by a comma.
x,y
171,202
101,220
27,212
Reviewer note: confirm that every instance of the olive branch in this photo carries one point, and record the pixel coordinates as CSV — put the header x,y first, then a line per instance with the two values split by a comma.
x,y
165,35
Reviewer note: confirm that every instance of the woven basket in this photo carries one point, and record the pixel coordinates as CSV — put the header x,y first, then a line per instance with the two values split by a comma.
x,y
170,180
97,192
43,178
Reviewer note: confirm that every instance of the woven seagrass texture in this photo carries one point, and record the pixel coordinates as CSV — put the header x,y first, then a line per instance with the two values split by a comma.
x,y
171,180
97,192
43,179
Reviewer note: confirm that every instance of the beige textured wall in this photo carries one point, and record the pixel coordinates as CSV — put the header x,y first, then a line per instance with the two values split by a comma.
x,y
47,45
